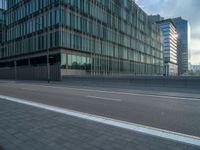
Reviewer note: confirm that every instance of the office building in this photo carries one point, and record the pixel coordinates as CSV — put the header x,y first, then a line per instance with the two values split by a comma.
x,y
83,37
184,54
195,68
170,37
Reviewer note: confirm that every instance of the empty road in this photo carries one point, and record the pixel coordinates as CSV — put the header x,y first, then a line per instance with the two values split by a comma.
x,y
173,111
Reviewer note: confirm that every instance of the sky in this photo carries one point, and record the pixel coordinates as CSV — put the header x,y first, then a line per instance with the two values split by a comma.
x,y
187,9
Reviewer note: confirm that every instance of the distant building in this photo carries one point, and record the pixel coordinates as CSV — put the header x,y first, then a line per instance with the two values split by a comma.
x,y
169,47
195,68
155,18
169,44
184,54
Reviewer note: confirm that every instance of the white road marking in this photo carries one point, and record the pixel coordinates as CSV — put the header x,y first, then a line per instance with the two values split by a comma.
x,y
120,93
105,98
29,89
188,139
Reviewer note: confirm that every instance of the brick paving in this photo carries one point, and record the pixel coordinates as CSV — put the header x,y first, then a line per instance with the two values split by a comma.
x,y
24,127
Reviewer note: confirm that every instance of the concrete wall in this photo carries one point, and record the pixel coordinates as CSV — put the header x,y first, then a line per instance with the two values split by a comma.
x,y
66,72
30,73
156,81
7,73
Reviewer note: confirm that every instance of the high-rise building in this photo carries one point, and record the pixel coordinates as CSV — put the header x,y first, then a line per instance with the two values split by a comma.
x,y
184,54
170,38
82,37
169,47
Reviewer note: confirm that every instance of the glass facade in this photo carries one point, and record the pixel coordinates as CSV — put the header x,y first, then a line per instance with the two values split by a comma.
x,y
2,26
96,37
184,54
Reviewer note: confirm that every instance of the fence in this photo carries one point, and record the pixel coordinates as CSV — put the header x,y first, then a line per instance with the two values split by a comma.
x,y
30,73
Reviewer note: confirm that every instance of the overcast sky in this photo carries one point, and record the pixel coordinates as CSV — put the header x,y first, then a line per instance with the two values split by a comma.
x,y
187,9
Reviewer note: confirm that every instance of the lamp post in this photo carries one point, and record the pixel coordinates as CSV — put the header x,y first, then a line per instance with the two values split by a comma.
x,y
48,65
15,61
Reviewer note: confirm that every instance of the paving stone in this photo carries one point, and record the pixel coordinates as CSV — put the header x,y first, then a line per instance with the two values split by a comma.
x,y
24,127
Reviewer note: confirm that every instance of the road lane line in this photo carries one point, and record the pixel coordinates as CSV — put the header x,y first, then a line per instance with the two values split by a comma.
x,y
188,139
120,93
29,89
105,98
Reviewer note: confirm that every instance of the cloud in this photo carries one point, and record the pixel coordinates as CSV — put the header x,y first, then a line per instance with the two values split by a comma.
x,y
195,58
187,9
196,52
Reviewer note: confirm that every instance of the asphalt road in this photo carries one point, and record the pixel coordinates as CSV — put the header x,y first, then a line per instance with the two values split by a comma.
x,y
173,111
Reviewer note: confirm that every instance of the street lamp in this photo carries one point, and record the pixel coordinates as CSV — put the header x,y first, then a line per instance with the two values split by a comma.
x,y
15,61
48,65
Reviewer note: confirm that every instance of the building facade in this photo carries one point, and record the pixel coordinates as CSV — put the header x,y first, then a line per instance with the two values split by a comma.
x,y
170,38
84,37
184,54
2,25
156,18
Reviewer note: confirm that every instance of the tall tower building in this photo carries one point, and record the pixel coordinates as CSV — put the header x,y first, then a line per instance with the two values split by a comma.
x,y
184,54
170,37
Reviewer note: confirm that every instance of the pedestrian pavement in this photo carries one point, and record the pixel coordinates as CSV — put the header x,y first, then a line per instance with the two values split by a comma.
x,y
24,127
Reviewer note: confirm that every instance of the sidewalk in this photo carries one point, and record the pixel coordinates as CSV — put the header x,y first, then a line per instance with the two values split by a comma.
x,y
24,127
